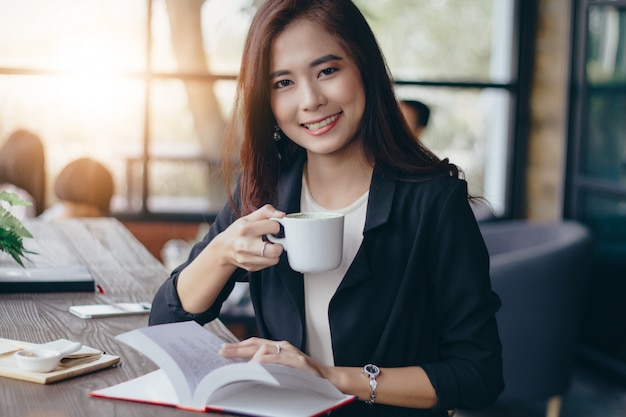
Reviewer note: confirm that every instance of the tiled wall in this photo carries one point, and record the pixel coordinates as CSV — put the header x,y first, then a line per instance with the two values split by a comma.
x,y
548,115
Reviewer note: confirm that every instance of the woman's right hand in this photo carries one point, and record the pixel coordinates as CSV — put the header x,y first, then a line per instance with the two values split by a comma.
x,y
243,244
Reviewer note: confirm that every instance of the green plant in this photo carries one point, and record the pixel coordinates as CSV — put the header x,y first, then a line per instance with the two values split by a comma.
x,y
12,231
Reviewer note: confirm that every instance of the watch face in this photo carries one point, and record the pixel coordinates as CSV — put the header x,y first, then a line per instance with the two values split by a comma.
x,y
372,370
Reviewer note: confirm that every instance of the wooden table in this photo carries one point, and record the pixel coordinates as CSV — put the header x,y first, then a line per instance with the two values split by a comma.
x,y
127,272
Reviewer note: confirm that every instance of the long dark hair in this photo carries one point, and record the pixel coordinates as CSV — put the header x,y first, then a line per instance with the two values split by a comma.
x,y
386,137
23,164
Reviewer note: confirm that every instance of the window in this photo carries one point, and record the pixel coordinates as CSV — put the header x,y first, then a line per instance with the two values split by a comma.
x,y
597,177
471,92
147,90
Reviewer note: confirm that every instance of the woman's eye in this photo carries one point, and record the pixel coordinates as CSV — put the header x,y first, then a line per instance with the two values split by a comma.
x,y
328,71
282,84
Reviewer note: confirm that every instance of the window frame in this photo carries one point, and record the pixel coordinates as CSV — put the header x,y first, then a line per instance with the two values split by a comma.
x,y
602,337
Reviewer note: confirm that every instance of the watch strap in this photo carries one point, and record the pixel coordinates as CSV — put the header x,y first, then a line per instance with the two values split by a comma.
x,y
372,372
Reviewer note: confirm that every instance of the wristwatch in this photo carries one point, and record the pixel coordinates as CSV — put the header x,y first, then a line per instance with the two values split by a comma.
x,y
372,372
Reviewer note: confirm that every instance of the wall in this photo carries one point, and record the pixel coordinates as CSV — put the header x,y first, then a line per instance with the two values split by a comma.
x,y
545,174
153,235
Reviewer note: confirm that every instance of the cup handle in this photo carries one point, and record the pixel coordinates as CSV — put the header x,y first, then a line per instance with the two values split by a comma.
x,y
274,239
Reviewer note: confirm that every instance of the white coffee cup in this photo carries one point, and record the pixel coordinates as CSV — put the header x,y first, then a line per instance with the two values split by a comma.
x,y
313,241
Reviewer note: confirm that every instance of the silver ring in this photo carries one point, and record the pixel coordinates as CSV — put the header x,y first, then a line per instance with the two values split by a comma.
x,y
263,249
278,349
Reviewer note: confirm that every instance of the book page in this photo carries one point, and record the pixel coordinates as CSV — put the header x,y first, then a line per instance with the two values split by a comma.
x,y
263,400
223,380
154,387
249,398
287,376
234,377
185,351
201,378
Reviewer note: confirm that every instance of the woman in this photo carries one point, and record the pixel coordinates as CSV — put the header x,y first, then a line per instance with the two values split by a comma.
x,y
412,295
23,171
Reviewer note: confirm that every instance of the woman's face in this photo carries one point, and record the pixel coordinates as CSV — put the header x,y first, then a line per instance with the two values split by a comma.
x,y
317,93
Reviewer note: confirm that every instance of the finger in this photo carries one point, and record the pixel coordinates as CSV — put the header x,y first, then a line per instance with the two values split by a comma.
x,y
261,218
245,352
286,355
270,251
271,352
252,347
262,252
244,349
252,227
266,212
247,248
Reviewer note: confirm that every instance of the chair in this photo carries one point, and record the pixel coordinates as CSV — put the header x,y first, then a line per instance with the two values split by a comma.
x,y
540,271
483,211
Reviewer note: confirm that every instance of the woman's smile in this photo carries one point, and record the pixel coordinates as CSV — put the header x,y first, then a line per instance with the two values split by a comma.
x,y
322,126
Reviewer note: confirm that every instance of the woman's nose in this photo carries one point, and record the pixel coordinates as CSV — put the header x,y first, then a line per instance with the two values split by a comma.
x,y
312,98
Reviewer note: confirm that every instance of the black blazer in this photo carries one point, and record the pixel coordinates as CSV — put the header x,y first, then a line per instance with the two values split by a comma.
x,y
417,293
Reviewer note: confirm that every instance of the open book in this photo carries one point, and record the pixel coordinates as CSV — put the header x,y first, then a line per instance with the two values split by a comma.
x,y
195,376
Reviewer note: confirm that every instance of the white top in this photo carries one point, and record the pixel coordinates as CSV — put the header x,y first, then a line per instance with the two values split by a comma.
x,y
54,212
319,287
21,212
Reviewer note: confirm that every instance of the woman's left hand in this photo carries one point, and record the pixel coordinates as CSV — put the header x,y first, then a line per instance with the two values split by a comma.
x,y
269,351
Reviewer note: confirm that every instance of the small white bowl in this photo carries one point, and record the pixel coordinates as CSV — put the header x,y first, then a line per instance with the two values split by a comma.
x,y
38,360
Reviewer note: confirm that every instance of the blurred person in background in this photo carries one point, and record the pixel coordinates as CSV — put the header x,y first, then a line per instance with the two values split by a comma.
x,y
23,171
84,188
416,114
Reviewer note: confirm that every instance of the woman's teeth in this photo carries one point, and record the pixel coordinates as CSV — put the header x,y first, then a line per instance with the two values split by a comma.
x,y
322,123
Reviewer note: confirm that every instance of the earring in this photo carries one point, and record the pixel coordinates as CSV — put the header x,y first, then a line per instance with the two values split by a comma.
x,y
277,135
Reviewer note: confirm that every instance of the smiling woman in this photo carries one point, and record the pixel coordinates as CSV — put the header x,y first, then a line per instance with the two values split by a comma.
x,y
320,130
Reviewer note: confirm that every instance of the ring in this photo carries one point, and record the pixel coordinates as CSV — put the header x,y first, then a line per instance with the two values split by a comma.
x,y
263,249
278,349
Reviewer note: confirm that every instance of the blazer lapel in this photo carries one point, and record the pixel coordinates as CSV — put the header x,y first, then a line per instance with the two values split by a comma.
x,y
289,190
382,190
